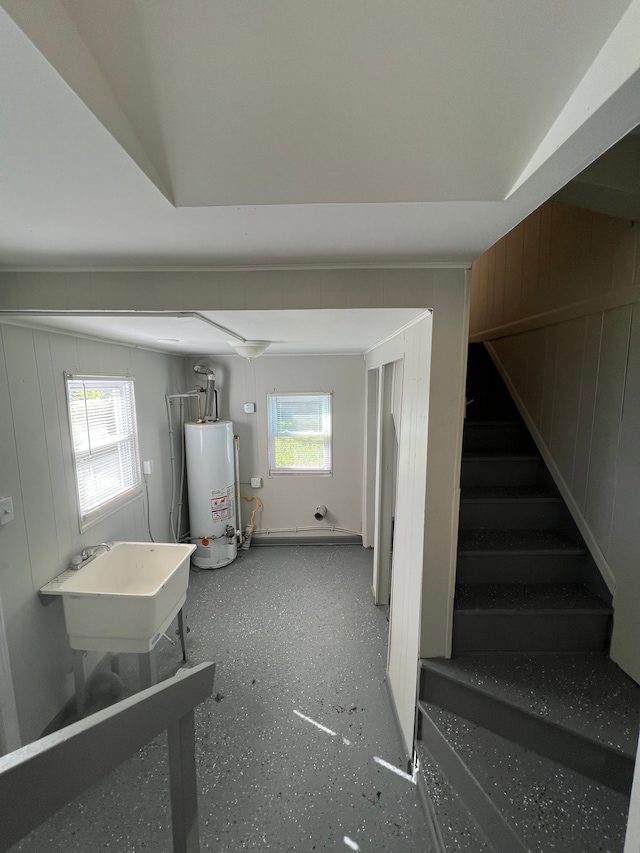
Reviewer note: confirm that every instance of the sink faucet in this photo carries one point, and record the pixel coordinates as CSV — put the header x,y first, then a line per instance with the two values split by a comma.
x,y
90,550
88,554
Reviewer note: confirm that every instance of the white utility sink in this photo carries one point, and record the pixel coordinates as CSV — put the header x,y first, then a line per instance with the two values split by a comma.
x,y
124,599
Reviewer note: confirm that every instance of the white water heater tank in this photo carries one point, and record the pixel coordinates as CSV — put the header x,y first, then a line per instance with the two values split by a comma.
x,y
212,492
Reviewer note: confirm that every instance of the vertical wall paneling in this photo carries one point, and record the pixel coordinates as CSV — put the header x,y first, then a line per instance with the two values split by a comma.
x,y
606,423
544,266
491,289
564,422
385,482
370,460
26,405
413,345
586,409
562,260
9,723
530,265
500,282
446,421
64,356
534,346
625,527
62,544
36,470
548,387
513,273
15,581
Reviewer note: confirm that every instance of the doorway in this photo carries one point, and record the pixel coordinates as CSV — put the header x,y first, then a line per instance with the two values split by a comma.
x,y
389,398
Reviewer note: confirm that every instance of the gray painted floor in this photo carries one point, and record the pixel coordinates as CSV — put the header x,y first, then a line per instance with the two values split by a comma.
x,y
294,632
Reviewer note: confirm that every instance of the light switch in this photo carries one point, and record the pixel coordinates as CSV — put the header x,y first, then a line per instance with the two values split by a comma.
x,y
6,510
250,408
256,482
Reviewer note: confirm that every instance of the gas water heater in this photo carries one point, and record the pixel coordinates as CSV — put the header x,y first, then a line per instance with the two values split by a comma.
x,y
211,489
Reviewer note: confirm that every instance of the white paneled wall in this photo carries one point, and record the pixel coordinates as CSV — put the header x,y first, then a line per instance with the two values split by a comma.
x,y
289,501
413,348
36,471
433,356
562,320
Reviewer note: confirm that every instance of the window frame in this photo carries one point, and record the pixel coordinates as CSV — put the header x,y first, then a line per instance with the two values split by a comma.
x,y
89,517
274,471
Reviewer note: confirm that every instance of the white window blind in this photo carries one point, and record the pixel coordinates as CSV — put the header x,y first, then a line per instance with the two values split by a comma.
x,y
105,443
300,433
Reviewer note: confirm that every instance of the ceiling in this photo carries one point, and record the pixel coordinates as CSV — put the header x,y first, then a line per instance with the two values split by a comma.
x,y
197,133
204,333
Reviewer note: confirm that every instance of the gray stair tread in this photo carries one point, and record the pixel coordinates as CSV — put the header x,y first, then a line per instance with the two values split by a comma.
x,y
489,539
507,493
550,807
515,596
478,454
586,693
496,423
457,828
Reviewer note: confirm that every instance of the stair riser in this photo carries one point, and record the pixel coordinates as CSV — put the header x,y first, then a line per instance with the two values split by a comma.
x,y
509,515
601,763
498,472
521,568
479,436
519,631
492,824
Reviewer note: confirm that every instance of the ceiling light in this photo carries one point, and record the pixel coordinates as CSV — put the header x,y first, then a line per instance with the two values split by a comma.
x,y
249,349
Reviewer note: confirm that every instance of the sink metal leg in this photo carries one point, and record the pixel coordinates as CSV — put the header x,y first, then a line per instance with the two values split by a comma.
x,y
147,669
79,681
183,634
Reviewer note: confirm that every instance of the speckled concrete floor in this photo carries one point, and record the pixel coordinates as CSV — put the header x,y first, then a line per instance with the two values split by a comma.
x,y
297,639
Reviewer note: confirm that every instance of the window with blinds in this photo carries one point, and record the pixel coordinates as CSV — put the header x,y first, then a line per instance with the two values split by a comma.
x,y
300,433
104,436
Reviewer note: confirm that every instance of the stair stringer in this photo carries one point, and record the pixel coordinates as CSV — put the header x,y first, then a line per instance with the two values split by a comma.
x,y
581,523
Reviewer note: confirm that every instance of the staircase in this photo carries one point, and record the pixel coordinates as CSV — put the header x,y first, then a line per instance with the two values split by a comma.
x,y
527,736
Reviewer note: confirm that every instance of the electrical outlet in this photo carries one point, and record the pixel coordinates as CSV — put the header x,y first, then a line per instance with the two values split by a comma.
x,y
256,482
250,408
147,466
6,510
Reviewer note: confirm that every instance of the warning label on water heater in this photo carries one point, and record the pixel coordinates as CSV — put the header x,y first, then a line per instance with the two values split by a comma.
x,y
222,504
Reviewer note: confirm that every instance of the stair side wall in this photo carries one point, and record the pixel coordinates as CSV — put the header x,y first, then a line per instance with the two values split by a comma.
x,y
557,303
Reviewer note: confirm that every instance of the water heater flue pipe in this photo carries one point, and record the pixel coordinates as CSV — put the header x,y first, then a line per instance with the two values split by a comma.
x,y
211,398
320,512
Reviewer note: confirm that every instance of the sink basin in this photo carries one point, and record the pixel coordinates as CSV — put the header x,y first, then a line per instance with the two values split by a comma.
x,y
125,598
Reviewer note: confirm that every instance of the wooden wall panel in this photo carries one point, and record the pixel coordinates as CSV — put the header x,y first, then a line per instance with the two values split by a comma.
x,y
562,253
549,382
513,274
531,265
500,271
